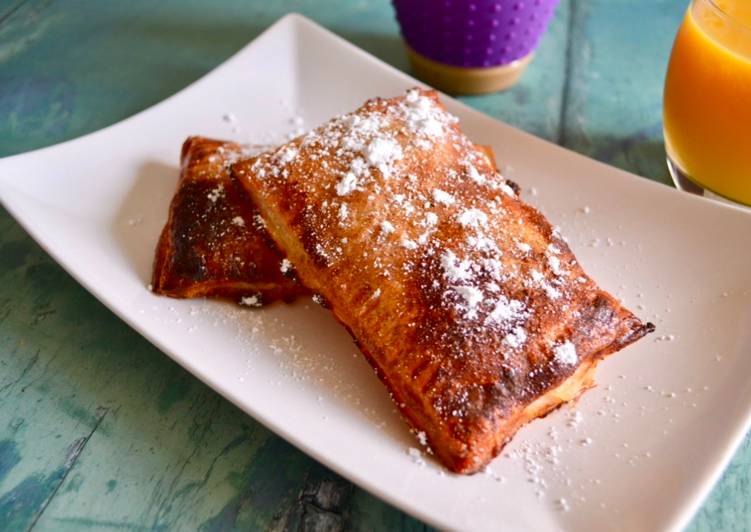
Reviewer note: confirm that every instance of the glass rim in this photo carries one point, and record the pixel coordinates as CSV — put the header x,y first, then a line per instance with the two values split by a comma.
x,y
725,15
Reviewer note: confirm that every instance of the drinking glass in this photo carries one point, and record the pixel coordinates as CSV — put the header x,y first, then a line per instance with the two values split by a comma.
x,y
707,102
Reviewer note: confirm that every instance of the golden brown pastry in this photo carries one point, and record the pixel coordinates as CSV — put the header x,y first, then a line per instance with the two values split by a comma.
x,y
206,223
214,242
471,308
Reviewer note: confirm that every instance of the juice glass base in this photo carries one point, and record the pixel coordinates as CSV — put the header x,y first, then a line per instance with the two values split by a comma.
x,y
684,181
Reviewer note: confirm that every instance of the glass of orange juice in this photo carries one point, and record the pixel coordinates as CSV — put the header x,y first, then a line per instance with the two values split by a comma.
x,y
707,106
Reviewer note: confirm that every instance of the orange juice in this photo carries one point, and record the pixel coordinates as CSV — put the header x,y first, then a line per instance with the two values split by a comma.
x,y
707,107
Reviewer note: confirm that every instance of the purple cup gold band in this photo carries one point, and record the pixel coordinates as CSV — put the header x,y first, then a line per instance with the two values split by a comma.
x,y
474,34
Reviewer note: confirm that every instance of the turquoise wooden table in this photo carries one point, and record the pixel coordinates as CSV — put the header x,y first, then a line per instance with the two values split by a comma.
x,y
98,429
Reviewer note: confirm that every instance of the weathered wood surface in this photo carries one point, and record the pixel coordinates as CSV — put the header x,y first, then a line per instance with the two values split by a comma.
x,y
98,430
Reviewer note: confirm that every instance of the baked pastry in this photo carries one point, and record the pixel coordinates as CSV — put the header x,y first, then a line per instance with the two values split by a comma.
x,y
214,242
467,302
210,226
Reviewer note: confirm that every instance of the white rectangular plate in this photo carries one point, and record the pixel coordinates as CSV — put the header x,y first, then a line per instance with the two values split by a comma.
x,y
640,452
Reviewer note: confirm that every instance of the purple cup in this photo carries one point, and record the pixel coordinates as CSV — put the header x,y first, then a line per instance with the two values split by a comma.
x,y
477,34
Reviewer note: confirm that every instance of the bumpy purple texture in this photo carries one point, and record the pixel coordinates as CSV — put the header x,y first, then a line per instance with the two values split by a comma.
x,y
477,33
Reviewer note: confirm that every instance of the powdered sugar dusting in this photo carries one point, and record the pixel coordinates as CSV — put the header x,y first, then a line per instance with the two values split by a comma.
x,y
382,153
347,185
555,264
453,269
365,151
398,175
507,190
420,115
565,353
439,196
251,301
474,175
505,310
387,227
472,297
406,243
416,455
216,193
287,155
516,338
343,212
473,218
